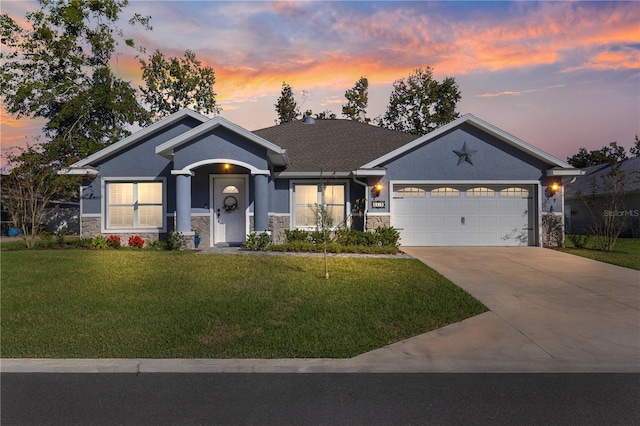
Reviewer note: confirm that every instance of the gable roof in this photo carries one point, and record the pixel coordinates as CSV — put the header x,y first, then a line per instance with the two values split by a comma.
x,y
137,136
479,124
332,146
276,154
592,180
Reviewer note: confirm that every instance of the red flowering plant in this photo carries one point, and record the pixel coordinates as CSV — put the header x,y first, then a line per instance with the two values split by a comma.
x,y
113,241
136,241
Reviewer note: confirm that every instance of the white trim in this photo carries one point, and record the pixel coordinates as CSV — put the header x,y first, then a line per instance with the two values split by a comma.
x,y
155,127
278,155
188,169
381,214
565,172
280,214
316,175
91,215
480,124
200,214
464,182
125,179
347,198
537,193
369,172
78,171
212,212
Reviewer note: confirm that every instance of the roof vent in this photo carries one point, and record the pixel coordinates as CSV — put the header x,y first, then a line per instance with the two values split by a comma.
x,y
308,120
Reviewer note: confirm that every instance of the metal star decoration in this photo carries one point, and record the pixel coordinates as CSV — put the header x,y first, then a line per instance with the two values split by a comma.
x,y
465,154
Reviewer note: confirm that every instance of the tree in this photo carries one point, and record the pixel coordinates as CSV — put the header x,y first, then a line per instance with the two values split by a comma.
x,y
286,106
175,83
357,100
635,149
420,104
605,203
326,115
29,188
57,68
611,154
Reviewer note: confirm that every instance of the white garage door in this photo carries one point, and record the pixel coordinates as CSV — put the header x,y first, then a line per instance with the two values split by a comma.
x,y
441,215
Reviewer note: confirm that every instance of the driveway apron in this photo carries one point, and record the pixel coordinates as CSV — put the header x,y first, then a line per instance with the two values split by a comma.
x,y
547,307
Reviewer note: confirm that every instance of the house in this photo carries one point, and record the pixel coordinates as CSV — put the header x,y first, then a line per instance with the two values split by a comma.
x,y
466,183
593,197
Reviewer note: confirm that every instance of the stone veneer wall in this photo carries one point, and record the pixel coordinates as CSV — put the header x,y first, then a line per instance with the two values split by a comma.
x,y
375,222
277,225
203,224
91,228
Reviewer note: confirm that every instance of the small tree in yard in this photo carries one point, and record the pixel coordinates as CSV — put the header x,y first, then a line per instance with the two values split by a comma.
x,y
29,188
605,204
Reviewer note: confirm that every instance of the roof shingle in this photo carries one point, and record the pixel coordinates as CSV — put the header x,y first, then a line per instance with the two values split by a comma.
x,y
332,145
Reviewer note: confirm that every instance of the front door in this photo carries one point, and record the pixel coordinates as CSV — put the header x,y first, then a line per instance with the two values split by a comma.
x,y
229,209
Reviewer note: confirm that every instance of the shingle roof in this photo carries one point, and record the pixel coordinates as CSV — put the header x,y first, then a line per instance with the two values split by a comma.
x,y
332,145
595,174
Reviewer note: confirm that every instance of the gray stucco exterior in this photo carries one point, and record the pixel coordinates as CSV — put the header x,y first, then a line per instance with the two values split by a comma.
x,y
189,153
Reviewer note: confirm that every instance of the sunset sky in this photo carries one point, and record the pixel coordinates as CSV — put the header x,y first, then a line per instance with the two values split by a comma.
x,y
559,75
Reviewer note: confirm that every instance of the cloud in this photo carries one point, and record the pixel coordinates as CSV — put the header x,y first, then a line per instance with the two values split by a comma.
x,y
517,92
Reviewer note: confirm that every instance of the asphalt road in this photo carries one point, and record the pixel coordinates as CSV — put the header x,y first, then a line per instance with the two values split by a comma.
x,y
311,399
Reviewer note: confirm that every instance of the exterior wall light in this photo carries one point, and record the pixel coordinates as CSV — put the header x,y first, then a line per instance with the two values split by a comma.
x,y
375,191
552,189
227,166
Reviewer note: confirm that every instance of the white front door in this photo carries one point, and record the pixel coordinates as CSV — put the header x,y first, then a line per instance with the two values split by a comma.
x,y
229,209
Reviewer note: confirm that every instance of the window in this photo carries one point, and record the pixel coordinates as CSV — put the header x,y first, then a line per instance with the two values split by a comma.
x,y
134,205
445,191
480,191
410,191
514,192
307,198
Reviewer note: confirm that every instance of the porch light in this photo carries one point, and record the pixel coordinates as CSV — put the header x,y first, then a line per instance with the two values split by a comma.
x,y
553,188
227,166
375,191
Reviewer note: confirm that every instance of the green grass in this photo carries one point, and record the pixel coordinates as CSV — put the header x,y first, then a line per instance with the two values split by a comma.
x,y
626,253
147,304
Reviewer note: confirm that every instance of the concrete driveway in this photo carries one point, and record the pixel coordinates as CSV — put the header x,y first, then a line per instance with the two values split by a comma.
x,y
550,311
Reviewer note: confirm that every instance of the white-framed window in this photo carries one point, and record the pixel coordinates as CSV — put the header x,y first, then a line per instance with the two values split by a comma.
x,y
480,191
410,191
308,197
134,205
445,191
514,191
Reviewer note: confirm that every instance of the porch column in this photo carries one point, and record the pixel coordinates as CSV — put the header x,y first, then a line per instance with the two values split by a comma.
x,y
183,202
261,203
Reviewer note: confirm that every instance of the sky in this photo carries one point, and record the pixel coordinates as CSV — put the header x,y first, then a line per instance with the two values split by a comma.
x,y
558,75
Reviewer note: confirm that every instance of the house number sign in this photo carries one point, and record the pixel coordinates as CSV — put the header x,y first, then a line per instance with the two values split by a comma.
x,y
377,204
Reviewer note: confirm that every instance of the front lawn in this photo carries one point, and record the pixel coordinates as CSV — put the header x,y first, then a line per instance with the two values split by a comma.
x,y
626,253
154,304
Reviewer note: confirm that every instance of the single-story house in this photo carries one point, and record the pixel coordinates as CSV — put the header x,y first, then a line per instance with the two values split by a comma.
x,y
467,183
593,197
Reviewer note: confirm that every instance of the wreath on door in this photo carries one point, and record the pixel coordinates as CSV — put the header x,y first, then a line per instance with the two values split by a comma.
x,y
230,203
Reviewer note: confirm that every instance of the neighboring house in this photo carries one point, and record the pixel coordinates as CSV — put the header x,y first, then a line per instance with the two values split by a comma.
x,y
466,183
595,188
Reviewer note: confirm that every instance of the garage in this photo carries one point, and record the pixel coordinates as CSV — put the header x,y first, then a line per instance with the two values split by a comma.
x,y
464,215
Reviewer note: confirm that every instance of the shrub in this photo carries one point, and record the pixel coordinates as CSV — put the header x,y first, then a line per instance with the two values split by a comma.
x,y
387,236
46,237
60,233
176,241
578,241
257,242
157,245
136,241
292,235
98,242
113,241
